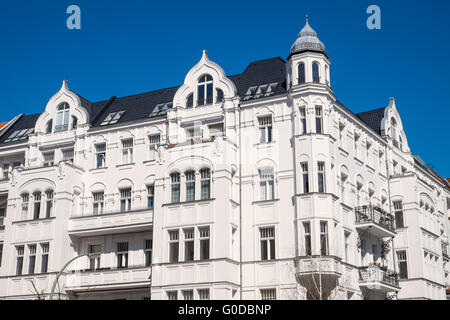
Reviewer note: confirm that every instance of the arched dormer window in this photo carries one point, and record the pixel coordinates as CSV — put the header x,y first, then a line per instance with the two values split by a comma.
x,y
49,127
315,72
301,73
62,117
219,95
205,90
74,122
190,101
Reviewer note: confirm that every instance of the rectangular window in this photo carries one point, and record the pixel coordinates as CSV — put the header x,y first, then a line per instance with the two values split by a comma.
x,y
307,229
175,194
127,151
203,294
190,185
49,159
98,202
305,176
398,212
188,294
125,199
189,244
5,172
174,244
268,294
1,253
402,264
3,206
154,141
368,157
68,155
266,184
49,204
342,136
19,261
95,251
321,176
205,180
150,196
356,136
194,133
122,255
36,205
31,258
148,245
45,247
347,246
204,243
267,243
172,295
265,129
323,238
100,155
302,120
215,130
24,211
319,124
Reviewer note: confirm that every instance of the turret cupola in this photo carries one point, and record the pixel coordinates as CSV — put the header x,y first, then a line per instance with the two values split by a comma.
x,y
307,41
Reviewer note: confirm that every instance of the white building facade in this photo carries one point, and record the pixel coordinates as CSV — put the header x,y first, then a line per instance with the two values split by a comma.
x,y
260,185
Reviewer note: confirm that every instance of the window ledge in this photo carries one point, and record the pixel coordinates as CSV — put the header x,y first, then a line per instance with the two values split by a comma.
x,y
358,160
265,201
343,151
33,220
98,169
265,144
187,202
149,161
125,165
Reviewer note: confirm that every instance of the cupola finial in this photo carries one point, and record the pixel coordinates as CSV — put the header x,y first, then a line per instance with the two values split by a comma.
x,y
307,18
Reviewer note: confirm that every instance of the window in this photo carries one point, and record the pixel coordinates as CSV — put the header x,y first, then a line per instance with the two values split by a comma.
x,y
190,185
205,90
301,73
189,244
3,206
94,251
266,181
194,133
36,205
148,245
49,127
341,136
24,212
359,186
321,176
205,181
160,110
122,255
31,258
172,295
398,211
215,130
315,70
174,244
302,120
5,168
100,155
356,137
265,90
150,196
74,122
319,126
62,118
267,243
68,155
127,151
402,264
154,141
323,238
368,162
113,118
268,294
305,175
219,95
49,159
307,229
1,253
125,199
190,101
203,294
98,202
188,294
234,244
45,248
265,129
204,243
347,246
175,194
19,260
19,135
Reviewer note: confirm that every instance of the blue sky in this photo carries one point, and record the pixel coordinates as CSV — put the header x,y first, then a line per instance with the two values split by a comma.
x,y
129,47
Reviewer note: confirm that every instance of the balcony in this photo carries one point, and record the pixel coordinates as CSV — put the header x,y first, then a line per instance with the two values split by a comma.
x,y
374,220
108,279
111,222
378,278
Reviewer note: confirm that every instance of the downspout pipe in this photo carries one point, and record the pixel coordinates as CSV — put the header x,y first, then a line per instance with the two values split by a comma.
x,y
240,207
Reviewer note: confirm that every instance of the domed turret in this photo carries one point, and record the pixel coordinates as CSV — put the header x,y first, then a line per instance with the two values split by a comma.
x,y
307,41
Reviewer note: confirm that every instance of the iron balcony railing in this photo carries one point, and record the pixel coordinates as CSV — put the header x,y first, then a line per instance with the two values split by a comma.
x,y
111,212
370,213
378,274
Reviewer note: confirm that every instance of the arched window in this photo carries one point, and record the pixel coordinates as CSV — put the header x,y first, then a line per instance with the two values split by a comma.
x,y
37,205
205,90
326,75
315,72
219,96
266,183
190,101
175,187
394,129
205,177
400,140
62,117
301,73
74,122
190,185
49,203
24,212
49,127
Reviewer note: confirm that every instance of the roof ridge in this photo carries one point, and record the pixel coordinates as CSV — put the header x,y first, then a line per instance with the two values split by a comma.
x,y
371,110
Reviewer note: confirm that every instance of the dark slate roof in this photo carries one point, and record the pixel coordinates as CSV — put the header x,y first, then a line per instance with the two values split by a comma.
x,y
24,122
372,119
